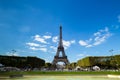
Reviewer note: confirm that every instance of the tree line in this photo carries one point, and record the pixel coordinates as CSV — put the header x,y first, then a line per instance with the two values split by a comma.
x,y
22,62
106,62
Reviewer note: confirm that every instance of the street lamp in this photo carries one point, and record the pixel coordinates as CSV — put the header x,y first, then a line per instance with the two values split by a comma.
x,y
13,52
111,51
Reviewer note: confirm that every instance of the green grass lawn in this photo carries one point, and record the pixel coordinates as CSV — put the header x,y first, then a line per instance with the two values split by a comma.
x,y
60,73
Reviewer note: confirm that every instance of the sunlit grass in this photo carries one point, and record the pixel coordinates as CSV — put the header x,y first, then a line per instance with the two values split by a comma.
x,y
60,73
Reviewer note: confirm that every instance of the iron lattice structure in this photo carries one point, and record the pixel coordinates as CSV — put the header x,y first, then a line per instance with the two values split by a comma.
x,y
60,49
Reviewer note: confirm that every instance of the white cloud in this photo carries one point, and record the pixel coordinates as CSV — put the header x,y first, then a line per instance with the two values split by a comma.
x,y
47,46
46,37
89,40
104,30
89,46
72,41
43,43
104,34
40,39
53,47
33,44
80,55
83,43
67,44
55,39
97,34
12,54
98,38
41,49
33,48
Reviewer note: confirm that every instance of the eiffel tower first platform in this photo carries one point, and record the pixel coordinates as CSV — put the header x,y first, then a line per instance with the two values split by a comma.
x,y
60,49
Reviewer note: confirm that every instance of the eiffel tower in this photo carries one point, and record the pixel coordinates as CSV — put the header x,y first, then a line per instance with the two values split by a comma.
x,y
63,57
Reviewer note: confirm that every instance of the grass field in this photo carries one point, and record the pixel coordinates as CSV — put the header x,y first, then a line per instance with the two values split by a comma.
x,y
60,73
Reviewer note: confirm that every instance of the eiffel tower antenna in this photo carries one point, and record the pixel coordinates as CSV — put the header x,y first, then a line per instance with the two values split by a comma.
x,y
60,38
60,48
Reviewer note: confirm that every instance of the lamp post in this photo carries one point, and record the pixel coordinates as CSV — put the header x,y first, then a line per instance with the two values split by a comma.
x,y
111,51
111,59
13,52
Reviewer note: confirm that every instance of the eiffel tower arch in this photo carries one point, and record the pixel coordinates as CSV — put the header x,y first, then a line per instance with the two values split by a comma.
x,y
60,49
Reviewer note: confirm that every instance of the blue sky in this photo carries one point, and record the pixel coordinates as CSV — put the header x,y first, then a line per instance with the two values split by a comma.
x,y
31,27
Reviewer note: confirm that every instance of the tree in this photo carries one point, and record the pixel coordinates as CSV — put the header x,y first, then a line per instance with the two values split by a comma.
x,y
48,65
